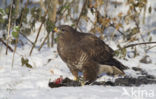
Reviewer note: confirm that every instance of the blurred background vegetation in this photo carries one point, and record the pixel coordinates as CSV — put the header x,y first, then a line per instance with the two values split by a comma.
x,y
107,19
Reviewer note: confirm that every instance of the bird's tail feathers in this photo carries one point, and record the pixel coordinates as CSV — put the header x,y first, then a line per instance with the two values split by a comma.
x,y
111,70
117,64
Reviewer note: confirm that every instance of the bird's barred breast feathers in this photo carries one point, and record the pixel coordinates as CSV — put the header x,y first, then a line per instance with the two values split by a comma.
x,y
82,59
79,61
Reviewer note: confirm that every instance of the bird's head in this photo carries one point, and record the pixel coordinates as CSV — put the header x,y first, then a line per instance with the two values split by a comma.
x,y
63,29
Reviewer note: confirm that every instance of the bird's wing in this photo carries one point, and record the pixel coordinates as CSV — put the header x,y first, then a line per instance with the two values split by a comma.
x,y
95,48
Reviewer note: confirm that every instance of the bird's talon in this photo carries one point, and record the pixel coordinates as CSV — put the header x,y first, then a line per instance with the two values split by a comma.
x,y
75,78
82,83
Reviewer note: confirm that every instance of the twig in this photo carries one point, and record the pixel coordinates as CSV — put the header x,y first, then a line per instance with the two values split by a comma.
x,y
84,5
22,20
38,34
24,12
14,52
9,25
52,16
42,5
112,25
43,42
150,30
79,29
36,38
52,39
150,48
27,38
17,39
138,27
6,45
131,45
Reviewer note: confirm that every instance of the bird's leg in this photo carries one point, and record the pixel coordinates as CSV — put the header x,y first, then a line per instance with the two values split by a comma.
x,y
89,74
77,78
75,74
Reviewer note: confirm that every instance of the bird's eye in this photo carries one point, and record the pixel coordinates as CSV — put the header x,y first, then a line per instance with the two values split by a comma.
x,y
62,30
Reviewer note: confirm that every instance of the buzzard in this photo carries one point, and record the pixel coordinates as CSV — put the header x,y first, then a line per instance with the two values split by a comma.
x,y
86,53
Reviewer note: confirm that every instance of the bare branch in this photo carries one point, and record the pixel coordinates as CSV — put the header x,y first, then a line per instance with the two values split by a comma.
x,y
9,25
150,48
131,45
43,42
42,5
112,25
17,39
84,5
38,34
26,38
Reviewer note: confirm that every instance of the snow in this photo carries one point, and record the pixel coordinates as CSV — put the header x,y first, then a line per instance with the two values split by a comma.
x,y
21,82
84,92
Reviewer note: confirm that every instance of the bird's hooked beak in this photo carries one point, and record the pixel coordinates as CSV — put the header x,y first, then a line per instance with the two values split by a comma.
x,y
57,30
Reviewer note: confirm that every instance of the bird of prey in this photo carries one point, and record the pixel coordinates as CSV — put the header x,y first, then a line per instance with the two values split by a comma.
x,y
86,53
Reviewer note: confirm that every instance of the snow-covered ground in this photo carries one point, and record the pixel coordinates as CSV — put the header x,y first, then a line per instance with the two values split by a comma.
x,y
21,82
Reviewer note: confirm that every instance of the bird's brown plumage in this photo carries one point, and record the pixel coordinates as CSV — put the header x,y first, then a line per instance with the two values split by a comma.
x,y
86,53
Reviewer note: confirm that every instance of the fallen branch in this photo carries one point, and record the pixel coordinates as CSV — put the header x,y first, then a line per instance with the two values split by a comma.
x,y
131,45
